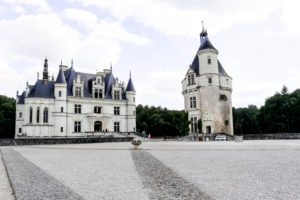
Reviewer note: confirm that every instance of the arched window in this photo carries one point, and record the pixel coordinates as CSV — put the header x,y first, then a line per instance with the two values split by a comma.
x,y
38,115
46,115
30,115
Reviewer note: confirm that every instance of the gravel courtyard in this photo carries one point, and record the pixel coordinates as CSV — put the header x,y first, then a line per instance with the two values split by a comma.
x,y
158,170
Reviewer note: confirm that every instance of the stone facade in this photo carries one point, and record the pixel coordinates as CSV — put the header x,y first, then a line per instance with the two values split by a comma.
x,y
76,104
207,90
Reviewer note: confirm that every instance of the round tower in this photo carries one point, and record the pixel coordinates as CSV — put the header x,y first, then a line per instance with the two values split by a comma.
x,y
131,108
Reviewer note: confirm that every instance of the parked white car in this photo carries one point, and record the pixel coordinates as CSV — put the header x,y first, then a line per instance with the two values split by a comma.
x,y
220,138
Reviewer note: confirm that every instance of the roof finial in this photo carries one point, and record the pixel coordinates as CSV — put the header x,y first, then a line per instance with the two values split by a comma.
x,y
60,61
130,74
203,32
111,66
72,62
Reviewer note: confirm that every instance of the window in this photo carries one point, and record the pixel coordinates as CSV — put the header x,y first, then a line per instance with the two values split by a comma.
x,y
226,122
46,115
117,95
208,60
193,124
61,109
133,99
20,114
210,80
116,126
61,129
30,115
77,108
77,126
116,110
97,109
98,93
98,80
77,91
59,93
38,115
193,102
133,112
20,130
191,79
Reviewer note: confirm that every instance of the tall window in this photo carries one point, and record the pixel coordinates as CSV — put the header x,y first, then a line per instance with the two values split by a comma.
x,y
77,108
38,115
20,130
193,102
116,126
30,115
96,93
20,114
77,126
59,93
77,91
46,115
100,93
61,109
97,109
98,80
116,110
193,124
61,129
117,95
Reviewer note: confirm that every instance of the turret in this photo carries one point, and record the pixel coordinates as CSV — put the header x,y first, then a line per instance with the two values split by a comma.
x,y
60,86
131,111
130,91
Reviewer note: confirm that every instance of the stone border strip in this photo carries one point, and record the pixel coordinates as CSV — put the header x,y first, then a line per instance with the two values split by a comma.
x,y
6,191
163,181
31,182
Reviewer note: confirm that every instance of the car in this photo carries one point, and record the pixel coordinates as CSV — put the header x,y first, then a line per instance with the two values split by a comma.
x,y
220,138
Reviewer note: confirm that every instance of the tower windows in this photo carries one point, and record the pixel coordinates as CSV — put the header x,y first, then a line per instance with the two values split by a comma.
x,y
226,122
30,115
208,60
38,115
210,80
61,109
61,129
46,115
193,102
116,126
59,93
191,79
20,114
20,130
77,108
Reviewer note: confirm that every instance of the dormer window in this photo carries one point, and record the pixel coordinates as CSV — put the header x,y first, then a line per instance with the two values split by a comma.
x,y
77,91
208,60
191,79
98,93
117,95
98,80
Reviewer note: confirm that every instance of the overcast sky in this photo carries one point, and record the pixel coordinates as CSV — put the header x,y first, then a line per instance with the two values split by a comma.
x,y
258,43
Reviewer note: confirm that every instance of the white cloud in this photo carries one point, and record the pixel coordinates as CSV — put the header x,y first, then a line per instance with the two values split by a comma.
x,y
82,17
41,5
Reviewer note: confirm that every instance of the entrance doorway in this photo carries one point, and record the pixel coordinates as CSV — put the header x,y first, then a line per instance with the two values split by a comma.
x,y
208,130
98,126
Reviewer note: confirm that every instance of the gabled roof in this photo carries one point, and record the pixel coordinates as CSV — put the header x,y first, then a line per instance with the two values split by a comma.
x,y
109,81
130,87
70,75
42,89
60,77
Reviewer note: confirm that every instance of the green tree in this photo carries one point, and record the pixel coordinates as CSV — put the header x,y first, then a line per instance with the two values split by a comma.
x,y
7,117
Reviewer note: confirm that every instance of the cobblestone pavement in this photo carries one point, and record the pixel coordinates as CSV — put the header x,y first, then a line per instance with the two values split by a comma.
x,y
159,170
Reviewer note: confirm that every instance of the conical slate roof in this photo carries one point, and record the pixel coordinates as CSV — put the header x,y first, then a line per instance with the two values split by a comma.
x,y
60,77
130,86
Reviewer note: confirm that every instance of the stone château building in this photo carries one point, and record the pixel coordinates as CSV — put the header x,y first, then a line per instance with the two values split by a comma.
x,y
207,91
75,103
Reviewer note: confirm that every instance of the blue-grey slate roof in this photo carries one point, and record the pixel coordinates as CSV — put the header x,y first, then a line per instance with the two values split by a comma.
x,y
205,44
130,86
21,98
60,77
42,89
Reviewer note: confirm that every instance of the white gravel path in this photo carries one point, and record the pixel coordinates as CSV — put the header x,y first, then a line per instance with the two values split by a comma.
x,y
6,191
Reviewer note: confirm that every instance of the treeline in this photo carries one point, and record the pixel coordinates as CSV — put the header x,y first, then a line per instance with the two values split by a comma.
x,y
7,117
279,114
161,122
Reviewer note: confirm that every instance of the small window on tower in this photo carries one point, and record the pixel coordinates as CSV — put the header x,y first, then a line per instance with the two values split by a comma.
x,y
226,122
61,129
210,80
59,93
208,60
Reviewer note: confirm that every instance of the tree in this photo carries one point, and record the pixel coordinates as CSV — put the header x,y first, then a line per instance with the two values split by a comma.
x,y
7,117
200,125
